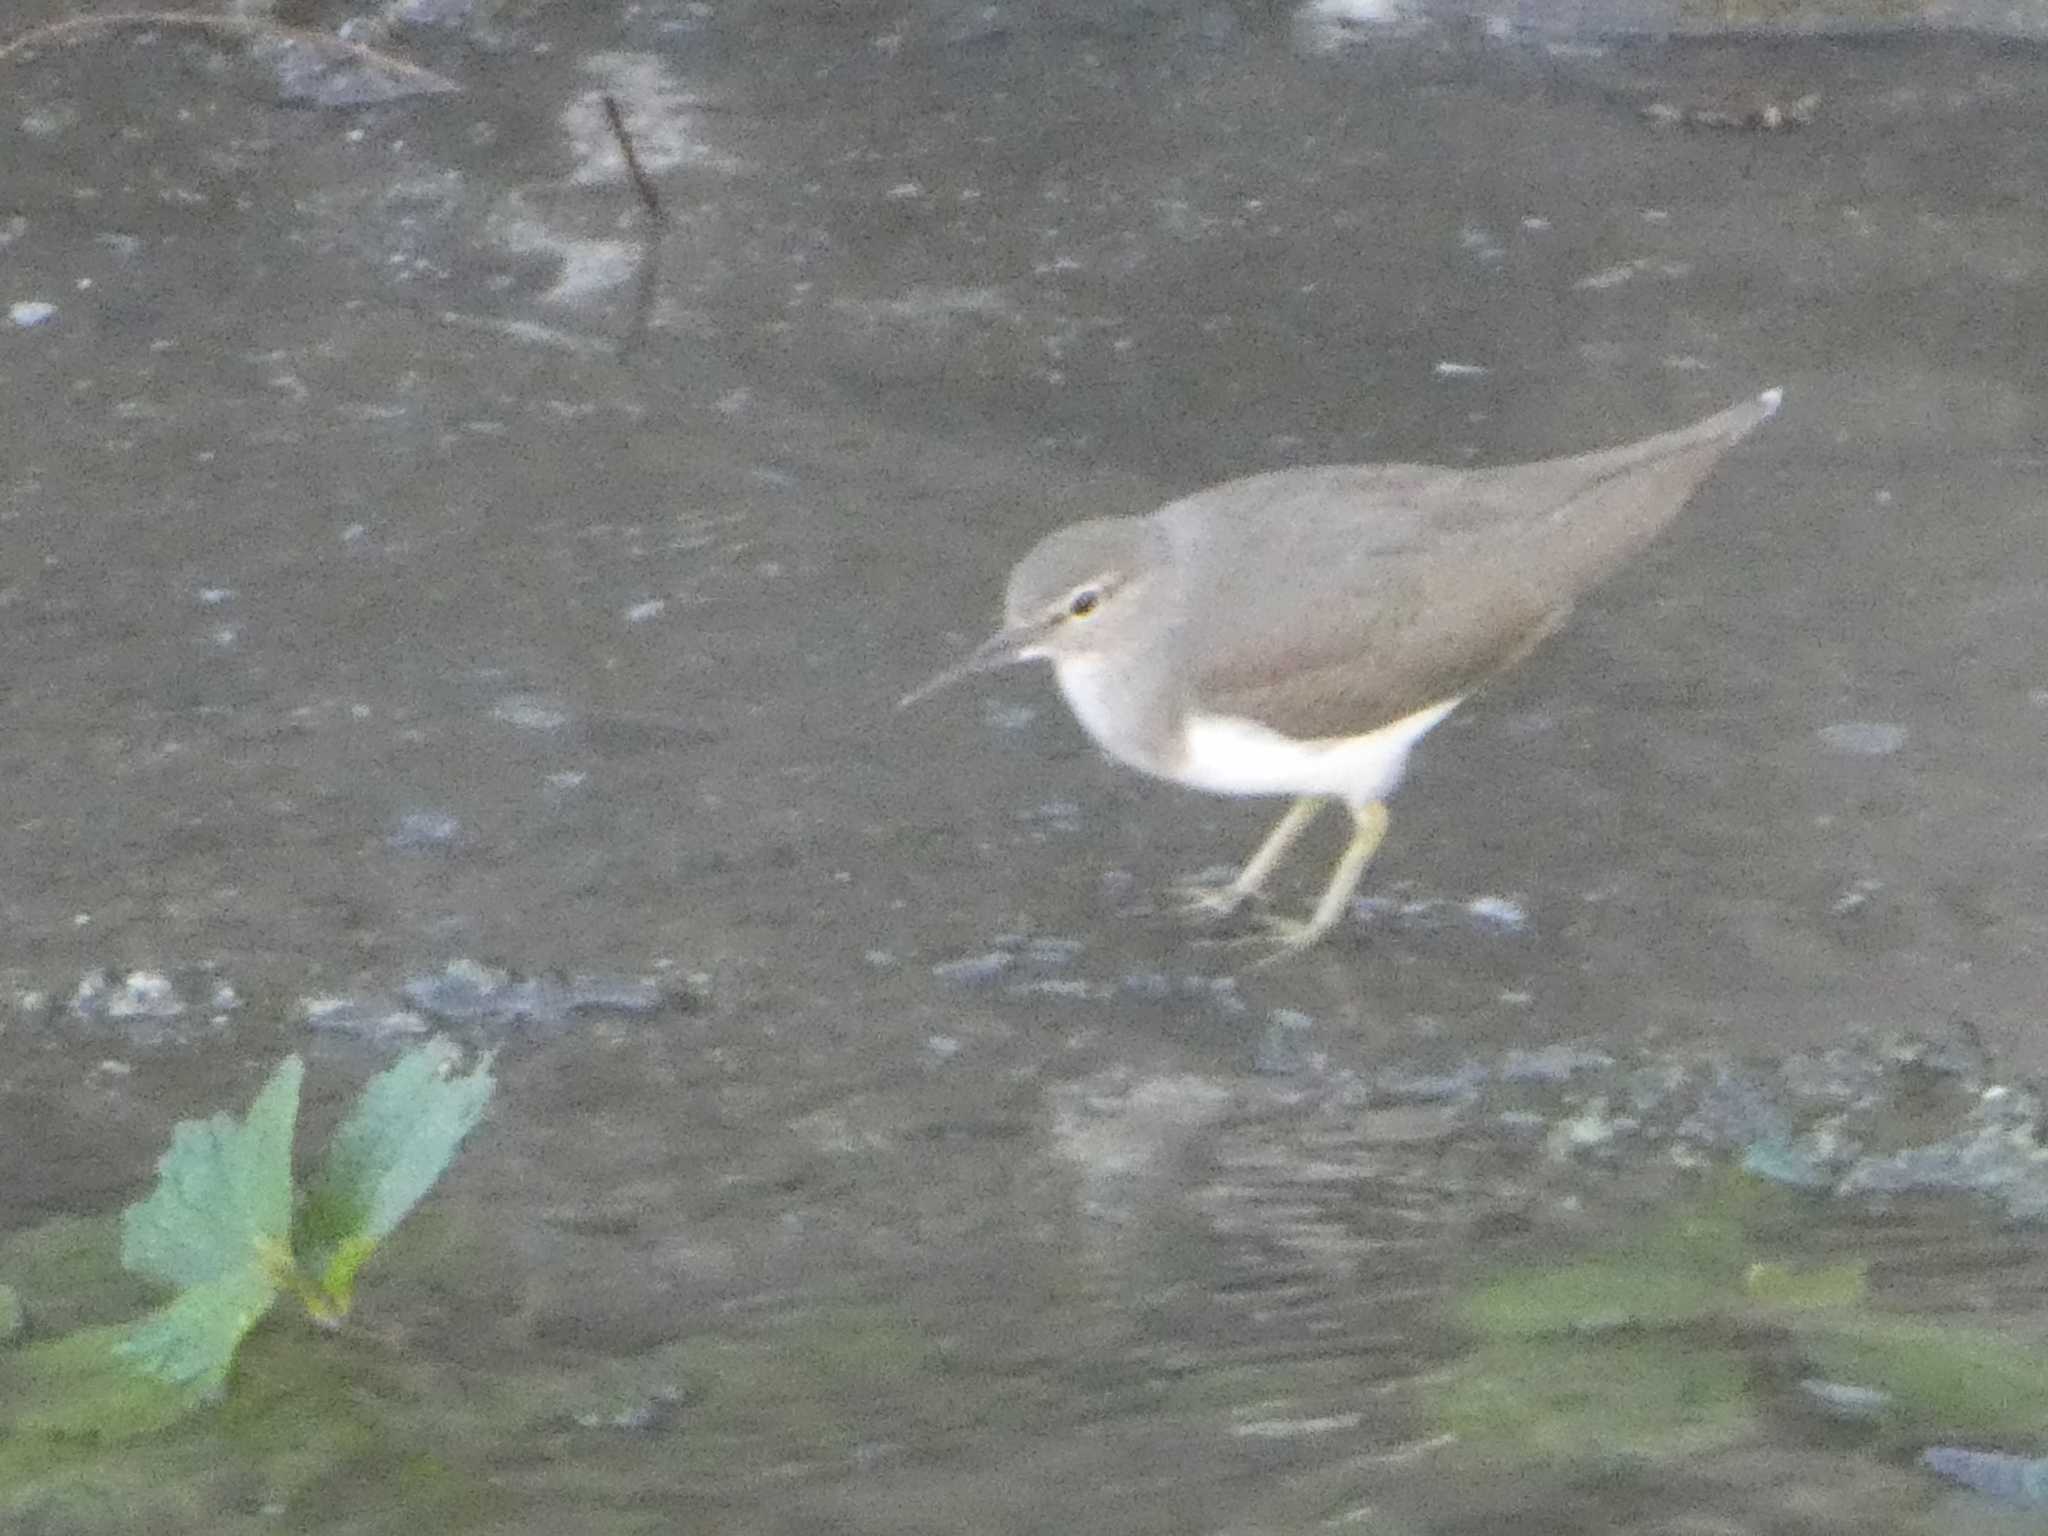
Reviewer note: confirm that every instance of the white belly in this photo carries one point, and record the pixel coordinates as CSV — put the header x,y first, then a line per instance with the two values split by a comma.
x,y
1227,755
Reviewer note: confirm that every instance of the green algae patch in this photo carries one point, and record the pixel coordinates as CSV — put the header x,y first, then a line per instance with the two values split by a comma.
x,y
1620,1398
1944,1381
1691,1337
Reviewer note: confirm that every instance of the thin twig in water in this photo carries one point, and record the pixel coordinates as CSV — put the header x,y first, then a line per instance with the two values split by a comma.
x,y
649,199
83,28
649,274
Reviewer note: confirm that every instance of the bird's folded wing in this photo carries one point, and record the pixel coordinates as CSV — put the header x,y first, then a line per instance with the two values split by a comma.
x,y
1339,658
1374,591
1355,607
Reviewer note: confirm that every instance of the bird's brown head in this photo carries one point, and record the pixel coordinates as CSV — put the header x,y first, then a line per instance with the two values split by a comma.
x,y
1072,597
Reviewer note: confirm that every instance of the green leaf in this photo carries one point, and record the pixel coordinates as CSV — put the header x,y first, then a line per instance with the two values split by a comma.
x,y
216,1227
193,1339
78,1386
399,1138
223,1191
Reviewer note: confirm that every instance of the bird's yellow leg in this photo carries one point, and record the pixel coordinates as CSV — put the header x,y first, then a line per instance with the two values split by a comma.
x,y
1222,900
1291,936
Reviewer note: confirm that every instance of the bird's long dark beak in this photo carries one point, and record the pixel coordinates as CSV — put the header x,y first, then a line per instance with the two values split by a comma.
x,y
1001,649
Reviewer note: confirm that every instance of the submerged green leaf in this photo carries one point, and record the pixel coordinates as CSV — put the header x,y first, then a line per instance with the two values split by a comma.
x,y
78,1386
399,1138
219,1228
223,1197
193,1339
216,1227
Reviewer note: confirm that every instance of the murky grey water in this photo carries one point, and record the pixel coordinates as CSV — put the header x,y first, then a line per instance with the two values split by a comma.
x,y
365,608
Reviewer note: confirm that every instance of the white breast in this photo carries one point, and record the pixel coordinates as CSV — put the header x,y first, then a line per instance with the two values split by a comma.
x,y
1227,755
1110,715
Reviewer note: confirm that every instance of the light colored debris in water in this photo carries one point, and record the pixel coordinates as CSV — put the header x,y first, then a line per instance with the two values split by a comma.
x,y
2011,1479
420,831
1326,26
655,1412
1756,116
1422,1086
974,970
1296,1429
665,120
590,267
1059,815
1788,1161
1552,1063
356,1016
137,995
1851,1404
1594,1126
1864,738
1067,988
1053,950
1498,911
426,13
1481,244
530,712
311,68
318,70
1608,277
469,992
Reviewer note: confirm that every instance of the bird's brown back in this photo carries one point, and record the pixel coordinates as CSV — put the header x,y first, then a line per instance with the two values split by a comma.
x,y
1374,591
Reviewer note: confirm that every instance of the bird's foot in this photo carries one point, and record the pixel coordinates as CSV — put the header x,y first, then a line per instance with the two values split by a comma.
x,y
1208,901
1280,938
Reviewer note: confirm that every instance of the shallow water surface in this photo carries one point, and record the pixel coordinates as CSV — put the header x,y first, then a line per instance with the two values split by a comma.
x,y
874,1149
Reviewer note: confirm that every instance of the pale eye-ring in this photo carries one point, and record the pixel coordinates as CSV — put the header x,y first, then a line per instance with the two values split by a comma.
x,y
1084,602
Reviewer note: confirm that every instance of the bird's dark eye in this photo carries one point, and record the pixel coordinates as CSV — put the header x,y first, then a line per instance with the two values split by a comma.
x,y
1083,603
